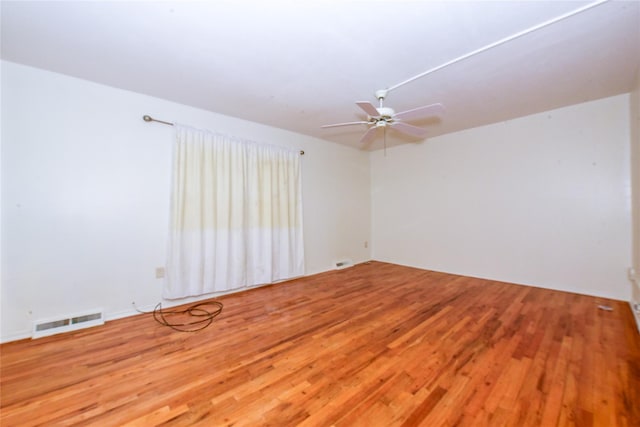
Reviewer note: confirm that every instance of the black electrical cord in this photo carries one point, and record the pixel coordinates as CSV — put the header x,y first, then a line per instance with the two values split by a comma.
x,y
203,315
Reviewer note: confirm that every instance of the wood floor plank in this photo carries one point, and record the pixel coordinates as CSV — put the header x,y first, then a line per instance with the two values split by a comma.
x,y
373,345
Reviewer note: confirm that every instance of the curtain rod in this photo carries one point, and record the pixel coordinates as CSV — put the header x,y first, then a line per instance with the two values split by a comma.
x,y
148,118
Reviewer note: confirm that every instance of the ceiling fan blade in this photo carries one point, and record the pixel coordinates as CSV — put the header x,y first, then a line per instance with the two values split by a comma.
x,y
420,112
409,129
344,124
368,108
369,135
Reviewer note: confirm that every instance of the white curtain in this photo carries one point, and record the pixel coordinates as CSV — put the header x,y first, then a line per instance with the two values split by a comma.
x,y
236,214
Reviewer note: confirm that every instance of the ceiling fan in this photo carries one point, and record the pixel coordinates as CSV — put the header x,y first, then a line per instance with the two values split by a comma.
x,y
383,117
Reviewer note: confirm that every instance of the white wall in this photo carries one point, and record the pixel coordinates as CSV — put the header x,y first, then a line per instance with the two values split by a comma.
x,y
85,185
542,200
635,185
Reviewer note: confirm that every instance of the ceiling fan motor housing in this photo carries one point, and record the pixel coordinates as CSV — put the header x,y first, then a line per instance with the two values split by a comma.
x,y
385,112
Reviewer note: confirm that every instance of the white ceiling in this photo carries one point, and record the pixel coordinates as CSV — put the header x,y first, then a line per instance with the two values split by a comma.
x,y
299,65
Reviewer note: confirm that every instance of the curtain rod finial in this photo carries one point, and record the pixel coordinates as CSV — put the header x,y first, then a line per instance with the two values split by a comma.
x,y
147,118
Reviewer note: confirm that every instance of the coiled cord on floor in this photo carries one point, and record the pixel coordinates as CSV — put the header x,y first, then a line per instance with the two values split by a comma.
x,y
204,316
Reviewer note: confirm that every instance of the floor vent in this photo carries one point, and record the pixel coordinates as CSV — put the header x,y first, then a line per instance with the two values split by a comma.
x,y
43,328
344,263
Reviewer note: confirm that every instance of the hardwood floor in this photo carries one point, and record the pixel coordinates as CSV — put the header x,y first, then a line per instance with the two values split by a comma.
x,y
373,345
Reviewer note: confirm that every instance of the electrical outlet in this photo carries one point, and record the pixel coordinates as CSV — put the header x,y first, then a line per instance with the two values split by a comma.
x,y
159,272
366,244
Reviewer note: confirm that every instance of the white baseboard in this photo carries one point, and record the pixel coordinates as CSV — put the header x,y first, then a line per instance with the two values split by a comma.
x,y
16,336
635,309
634,277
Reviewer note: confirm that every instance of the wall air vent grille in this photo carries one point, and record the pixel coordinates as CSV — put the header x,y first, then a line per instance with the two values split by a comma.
x,y
343,263
46,327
